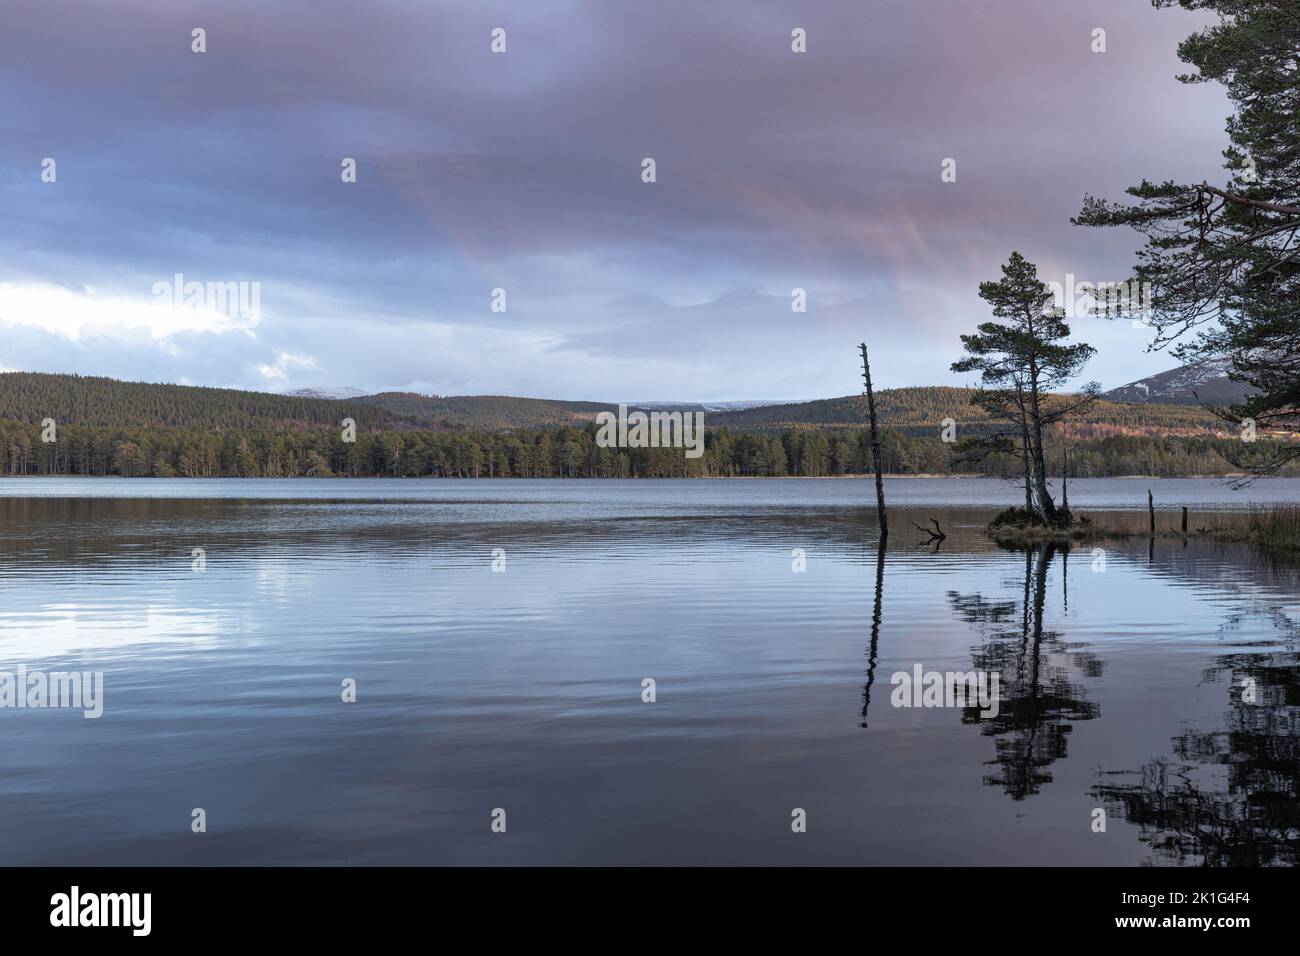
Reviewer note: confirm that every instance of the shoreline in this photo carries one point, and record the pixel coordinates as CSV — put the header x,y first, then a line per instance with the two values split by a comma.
x,y
1273,530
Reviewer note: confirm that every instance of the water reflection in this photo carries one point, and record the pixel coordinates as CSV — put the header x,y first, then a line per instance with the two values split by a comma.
x,y
1040,701
1228,796
873,649
523,689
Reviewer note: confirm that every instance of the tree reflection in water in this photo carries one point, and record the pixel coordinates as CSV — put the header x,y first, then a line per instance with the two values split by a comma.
x,y
1229,796
1039,701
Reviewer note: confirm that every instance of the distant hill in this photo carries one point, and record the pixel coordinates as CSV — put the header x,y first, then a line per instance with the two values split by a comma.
x,y
1185,385
97,401
921,410
104,402
896,406
503,411
133,429
94,401
492,412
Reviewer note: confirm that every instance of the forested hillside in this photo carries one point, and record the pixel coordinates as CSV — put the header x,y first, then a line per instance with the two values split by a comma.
x,y
921,410
80,400
105,427
88,400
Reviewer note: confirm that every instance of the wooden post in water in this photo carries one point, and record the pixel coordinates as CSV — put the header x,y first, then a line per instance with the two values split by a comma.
x,y
1184,519
1065,482
875,445
1151,510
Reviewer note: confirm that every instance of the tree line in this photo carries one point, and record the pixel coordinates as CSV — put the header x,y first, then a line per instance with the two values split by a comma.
x,y
572,452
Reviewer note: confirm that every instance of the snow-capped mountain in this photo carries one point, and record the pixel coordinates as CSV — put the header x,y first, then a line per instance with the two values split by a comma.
x,y
704,406
342,391
1186,385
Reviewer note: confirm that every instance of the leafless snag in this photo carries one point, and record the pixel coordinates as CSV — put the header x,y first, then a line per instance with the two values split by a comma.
x,y
935,535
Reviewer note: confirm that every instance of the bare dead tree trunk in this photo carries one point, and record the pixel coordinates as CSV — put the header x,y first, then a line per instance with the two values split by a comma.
x,y
875,445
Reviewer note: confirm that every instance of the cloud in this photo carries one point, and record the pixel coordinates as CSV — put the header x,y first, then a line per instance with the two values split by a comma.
x,y
522,171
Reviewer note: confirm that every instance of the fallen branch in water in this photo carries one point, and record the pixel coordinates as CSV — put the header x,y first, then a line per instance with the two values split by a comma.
x,y
935,535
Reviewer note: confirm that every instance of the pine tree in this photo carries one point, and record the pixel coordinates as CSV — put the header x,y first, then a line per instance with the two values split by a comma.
x,y
1223,261
1020,362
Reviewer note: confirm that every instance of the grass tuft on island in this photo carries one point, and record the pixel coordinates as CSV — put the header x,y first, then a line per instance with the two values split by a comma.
x,y
1274,530
1020,526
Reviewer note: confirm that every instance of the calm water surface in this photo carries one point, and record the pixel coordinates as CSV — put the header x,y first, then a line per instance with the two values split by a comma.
x,y
1161,684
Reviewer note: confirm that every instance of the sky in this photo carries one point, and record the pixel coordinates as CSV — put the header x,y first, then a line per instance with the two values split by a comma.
x,y
522,171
